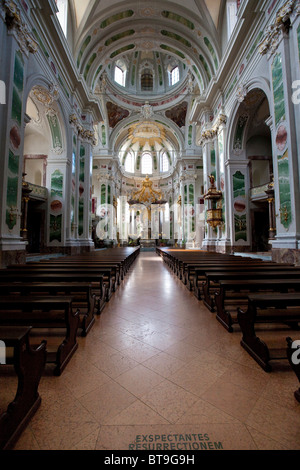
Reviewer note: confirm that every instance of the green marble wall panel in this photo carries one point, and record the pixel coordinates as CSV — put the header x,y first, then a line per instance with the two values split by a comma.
x,y
213,161
73,185
212,52
119,16
284,190
180,19
81,190
119,36
172,50
15,141
192,207
103,194
222,178
278,89
239,206
176,37
83,48
205,65
190,136
89,64
298,37
96,75
18,84
56,206
121,50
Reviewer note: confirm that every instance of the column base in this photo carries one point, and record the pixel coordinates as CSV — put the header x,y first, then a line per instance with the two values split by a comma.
x,y
286,255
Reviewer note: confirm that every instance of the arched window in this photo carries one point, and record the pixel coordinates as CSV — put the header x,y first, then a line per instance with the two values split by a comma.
x,y
147,80
129,163
231,15
164,163
120,74
147,164
174,76
62,14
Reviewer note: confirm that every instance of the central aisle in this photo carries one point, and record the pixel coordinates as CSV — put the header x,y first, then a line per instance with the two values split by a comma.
x,y
158,370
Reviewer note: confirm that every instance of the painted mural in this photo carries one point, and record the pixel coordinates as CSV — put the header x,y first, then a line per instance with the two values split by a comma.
x,y
55,131
178,114
115,114
239,206
239,133
284,190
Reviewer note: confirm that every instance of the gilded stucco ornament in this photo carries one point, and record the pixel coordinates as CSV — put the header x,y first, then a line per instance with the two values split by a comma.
x,y
14,23
270,43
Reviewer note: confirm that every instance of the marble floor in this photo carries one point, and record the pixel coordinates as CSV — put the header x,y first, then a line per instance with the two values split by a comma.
x,y
157,371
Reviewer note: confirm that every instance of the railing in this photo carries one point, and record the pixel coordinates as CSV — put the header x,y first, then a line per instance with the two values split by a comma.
x,y
38,192
259,192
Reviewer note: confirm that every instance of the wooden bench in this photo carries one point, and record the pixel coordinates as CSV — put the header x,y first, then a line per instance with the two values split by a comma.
x,y
81,293
293,355
45,313
234,293
28,364
98,286
106,274
196,272
212,278
275,308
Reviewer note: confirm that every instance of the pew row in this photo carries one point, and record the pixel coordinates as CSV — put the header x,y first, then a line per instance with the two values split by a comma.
x,y
28,365
81,293
51,316
276,309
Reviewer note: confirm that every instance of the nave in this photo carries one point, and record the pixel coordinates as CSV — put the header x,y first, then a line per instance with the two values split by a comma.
x,y
157,363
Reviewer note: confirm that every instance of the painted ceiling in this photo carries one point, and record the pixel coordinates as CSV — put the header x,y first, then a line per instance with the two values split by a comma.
x,y
105,31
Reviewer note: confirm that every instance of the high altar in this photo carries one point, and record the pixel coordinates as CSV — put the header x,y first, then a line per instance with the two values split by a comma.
x,y
146,201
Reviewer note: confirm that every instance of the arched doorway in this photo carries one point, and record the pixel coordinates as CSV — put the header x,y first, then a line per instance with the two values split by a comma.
x,y
43,140
259,155
251,171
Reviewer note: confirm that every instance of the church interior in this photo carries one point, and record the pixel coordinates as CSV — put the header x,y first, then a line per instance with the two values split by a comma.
x,y
150,225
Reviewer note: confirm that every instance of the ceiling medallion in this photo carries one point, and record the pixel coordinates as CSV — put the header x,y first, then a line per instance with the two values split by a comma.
x,y
147,12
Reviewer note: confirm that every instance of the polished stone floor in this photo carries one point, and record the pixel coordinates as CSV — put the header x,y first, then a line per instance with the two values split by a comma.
x,y
158,371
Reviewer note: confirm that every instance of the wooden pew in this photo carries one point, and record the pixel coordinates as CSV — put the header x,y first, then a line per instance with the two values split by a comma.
x,y
234,293
81,293
196,271
98,286
47,313
212,278
274,308
115,267
28,364
293,356
106,273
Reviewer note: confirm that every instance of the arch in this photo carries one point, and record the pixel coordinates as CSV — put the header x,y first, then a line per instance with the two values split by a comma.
x,y
255,83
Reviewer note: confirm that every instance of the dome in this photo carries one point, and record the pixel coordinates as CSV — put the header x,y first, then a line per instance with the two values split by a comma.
x,y
147,73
